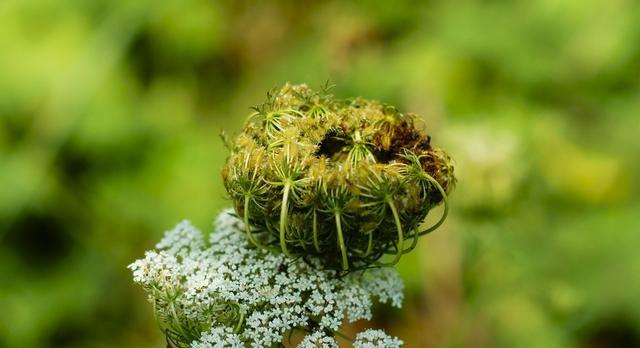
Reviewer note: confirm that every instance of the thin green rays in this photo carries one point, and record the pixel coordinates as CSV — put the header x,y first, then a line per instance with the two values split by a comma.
x,y
345,180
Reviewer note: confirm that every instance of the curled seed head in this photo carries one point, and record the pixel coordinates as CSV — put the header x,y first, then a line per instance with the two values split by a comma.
x,y
346,180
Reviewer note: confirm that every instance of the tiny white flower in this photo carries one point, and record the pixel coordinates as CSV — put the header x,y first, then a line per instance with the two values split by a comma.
x,y
318,339
218,337
376,339
200,292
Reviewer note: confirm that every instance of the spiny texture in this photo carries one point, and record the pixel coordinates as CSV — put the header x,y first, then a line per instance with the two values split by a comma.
x,y
227,293
346,180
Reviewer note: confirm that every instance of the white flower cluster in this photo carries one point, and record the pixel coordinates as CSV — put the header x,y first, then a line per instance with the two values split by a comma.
x,y
218,337
375,339
229,294
318,339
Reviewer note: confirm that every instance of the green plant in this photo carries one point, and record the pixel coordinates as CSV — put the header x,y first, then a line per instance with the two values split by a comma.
x,y
345,180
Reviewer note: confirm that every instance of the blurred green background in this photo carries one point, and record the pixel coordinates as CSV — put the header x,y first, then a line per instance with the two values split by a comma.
x,y
109,119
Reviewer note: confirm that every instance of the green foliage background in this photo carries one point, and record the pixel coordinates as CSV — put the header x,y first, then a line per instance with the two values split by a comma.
x,y
109,119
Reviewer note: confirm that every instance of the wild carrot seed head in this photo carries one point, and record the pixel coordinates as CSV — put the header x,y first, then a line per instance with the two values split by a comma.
x,y
345,180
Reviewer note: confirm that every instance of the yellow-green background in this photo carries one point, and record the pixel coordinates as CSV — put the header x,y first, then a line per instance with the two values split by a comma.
x,y
110,113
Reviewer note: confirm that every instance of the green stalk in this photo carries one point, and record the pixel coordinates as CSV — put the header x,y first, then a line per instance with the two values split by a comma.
x,y
369,244
316,243
283,219
176,320
446,207
414,242
247,226
240,322
343,336
343,247
400,246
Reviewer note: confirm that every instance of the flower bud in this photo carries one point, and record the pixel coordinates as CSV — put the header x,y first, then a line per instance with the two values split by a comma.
x,y
346,180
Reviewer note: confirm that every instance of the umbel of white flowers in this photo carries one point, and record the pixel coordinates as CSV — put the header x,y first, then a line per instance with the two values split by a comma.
x,y
227,293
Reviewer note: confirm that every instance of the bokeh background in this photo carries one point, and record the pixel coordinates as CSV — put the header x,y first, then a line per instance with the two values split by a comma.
x,y
110,114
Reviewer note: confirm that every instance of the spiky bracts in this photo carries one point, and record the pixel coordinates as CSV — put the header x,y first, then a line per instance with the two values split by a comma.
x,y
345,180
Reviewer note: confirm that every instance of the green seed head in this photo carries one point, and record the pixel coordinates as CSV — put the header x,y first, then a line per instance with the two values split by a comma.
x,y
346,180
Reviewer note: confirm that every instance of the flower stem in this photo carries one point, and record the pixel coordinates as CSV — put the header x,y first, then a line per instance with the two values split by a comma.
x,y
369,244
343,247
240,322
316,244
247,226
283,219
341,335
400,246
446,207
414,242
